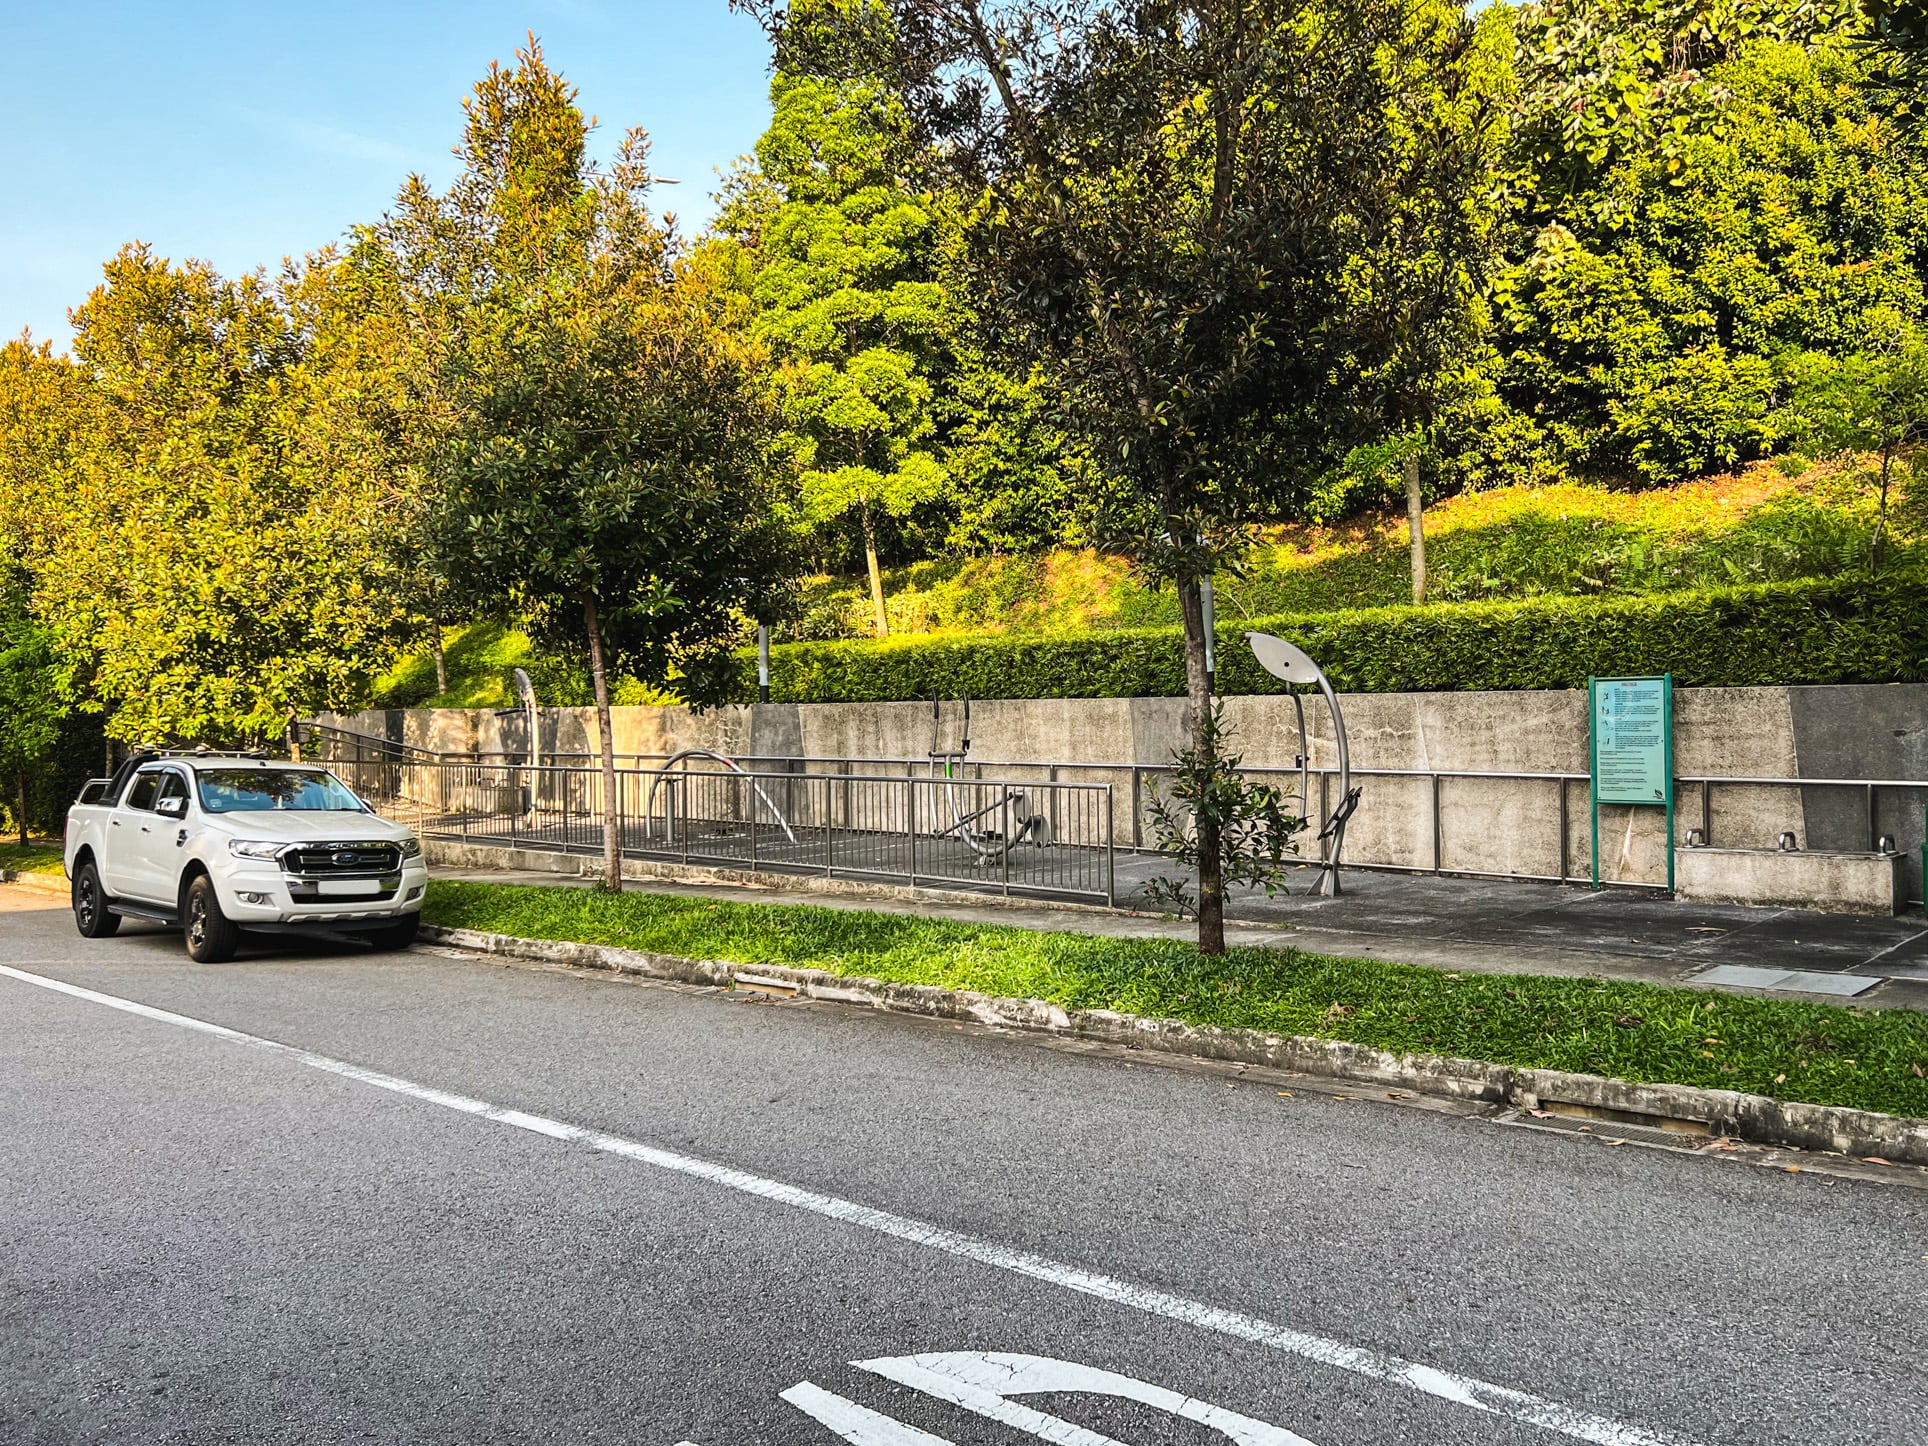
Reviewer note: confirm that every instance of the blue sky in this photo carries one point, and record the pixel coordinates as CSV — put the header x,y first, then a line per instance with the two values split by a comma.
x,y
243,133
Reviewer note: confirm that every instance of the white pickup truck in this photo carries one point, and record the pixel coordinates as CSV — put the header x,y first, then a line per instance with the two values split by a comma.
x,y
217,843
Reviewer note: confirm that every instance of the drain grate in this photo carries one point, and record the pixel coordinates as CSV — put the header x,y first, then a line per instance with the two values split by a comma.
x,y
1607,1130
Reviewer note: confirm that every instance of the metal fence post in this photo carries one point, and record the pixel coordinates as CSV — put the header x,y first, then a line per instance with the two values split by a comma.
x,y
1438,848
910,825
751,784
829,820
1111,854
1137,806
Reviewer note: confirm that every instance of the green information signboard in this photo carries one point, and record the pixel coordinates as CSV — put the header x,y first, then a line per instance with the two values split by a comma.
x,y
1631,726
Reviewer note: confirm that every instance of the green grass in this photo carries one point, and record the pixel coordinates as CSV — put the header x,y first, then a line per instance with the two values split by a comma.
x,y
40,858
1824,1054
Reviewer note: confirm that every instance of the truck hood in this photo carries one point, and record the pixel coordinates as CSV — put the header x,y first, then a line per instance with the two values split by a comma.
x,y
297,826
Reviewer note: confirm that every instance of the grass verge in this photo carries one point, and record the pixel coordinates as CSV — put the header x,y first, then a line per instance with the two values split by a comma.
x,y
1823,1054
33,859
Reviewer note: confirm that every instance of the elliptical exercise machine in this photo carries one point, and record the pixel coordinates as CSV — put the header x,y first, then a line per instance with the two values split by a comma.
x,y
988,838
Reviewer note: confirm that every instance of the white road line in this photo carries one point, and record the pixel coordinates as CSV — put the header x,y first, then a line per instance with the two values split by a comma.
x,y
1464,1391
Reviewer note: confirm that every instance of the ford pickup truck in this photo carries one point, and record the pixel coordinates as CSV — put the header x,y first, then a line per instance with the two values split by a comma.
x,y
215,844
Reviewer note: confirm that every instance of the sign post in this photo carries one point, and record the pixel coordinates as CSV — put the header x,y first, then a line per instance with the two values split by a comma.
x,y
1630,727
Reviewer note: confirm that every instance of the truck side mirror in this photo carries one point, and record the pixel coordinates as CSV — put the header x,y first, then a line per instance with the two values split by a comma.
x,y
172,808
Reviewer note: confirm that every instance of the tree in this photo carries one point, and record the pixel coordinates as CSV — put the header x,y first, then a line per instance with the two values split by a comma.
x,y
33,689
1168,203
600,444
843,251
206,566
1874,400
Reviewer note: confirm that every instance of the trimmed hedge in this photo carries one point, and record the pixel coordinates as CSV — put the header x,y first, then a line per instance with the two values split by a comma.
x,y
1842,630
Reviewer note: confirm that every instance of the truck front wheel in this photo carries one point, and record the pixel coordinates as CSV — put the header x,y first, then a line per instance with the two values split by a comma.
x,y
91,915
211,935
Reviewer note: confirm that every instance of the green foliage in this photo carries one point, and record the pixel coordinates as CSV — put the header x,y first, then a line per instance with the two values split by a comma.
x,y
1209,806
1876,401
601,466
1668,268
35,692
1825,1054
1856,629
843,251
206,562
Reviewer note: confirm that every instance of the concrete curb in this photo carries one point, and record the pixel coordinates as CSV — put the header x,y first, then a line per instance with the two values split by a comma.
x,y
40,883
1754,1118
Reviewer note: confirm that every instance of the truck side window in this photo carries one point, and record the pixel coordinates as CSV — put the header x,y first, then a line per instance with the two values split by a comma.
x,y
146,786
172,786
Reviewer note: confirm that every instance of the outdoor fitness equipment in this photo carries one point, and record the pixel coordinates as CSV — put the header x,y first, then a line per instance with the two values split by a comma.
x,y
683,756
1283,661
988,844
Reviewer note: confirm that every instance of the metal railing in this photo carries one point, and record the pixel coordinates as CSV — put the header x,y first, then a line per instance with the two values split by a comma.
x,y
988,835
1450,826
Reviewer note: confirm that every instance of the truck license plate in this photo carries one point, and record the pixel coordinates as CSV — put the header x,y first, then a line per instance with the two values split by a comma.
x,y
348,888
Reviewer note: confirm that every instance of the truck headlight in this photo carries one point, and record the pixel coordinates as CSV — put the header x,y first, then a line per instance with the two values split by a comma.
x,y
411,847
252,848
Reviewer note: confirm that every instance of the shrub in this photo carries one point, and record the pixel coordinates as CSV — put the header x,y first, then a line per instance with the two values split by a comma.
x,y
1858,629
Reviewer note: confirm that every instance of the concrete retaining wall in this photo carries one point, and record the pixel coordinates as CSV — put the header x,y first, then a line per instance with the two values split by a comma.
x,y
1485,825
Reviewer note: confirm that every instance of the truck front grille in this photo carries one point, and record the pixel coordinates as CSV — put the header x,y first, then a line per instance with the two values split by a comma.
x,y
342,860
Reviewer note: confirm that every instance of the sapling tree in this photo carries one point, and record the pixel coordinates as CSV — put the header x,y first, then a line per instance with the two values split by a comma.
x,y
1873,401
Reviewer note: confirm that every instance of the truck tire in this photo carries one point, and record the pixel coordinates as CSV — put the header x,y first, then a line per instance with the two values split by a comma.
x,y
91,915
211,935
398,935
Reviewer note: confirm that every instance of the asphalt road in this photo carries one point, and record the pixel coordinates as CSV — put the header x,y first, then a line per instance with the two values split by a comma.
x,y
464,1202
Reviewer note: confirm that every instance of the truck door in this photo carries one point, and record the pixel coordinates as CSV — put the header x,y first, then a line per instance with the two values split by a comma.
x,y
131,839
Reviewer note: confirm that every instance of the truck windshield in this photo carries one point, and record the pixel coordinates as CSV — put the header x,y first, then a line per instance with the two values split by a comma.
x,y
256,790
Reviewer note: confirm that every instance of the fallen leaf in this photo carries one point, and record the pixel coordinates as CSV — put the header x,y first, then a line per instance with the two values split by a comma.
x,y
1285,1094
1541,1114
1792,1169
1780,1079
1876,1160
1918,1073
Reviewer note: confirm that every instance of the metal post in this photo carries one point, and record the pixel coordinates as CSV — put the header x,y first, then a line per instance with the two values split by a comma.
x,y
752,804
1438,849
1137,807
1111,854
1874,837
910,827
1004,837
763,663
1707,813
829,820
1563,832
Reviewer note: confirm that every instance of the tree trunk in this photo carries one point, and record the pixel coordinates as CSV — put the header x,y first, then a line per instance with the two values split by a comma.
x,y
876,573
441,659
1416,527
612,809
20,784
1198,685
1878,543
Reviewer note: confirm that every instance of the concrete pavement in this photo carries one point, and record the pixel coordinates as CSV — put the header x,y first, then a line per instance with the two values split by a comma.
x,y
350,1238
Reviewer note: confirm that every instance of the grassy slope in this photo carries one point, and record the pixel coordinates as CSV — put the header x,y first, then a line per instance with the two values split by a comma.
x,y
1870,1059
1774,521
40,858
1568,539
